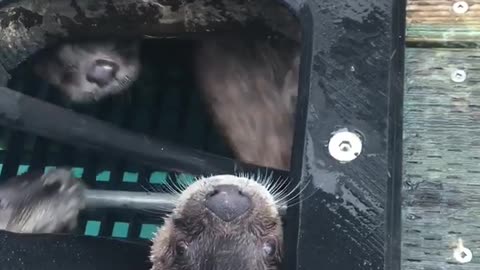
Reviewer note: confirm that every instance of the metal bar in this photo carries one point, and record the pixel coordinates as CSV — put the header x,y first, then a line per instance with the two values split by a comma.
x,y
138,201
130,200
19,111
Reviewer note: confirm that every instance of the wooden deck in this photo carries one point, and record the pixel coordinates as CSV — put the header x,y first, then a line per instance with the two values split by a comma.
x,y
441,193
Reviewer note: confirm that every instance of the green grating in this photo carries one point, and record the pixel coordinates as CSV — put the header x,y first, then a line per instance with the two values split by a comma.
x,y
103,176
185,179
130,177
120,229
22,169
148,231
158,178
93,228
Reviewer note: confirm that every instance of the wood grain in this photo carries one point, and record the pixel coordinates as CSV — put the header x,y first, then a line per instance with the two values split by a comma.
x,y
441,159
435,21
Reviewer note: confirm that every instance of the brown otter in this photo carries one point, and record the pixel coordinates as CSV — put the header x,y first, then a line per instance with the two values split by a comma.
x,y
36,203
89,71
251,89
221,222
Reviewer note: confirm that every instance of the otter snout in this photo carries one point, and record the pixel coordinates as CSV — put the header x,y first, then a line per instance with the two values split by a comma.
x,y
228,202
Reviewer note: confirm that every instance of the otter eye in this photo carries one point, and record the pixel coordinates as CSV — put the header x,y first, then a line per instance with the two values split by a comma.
x,y
181,248
269,248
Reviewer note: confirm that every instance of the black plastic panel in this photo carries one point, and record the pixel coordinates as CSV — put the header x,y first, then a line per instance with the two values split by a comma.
x,y
352,77
49,252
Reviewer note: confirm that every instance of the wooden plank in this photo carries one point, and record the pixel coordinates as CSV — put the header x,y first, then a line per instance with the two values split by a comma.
x,y
435,21
441,159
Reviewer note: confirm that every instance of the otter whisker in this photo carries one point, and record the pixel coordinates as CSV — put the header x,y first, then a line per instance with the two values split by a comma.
x,y
183,182
155,212
285,196
250,177
265,179
150,188
299,194
169,189
173,186
286,192
277,187
188,182
271,184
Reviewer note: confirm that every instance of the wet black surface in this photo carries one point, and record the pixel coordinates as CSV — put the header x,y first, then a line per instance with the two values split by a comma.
x,y
349,217
47,252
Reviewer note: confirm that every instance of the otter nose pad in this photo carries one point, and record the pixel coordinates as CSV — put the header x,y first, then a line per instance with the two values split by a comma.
x,y
228,202
102,72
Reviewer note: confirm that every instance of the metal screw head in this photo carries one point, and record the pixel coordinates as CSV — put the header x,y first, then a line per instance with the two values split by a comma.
x,y
458,75
345,146
462,255
460,7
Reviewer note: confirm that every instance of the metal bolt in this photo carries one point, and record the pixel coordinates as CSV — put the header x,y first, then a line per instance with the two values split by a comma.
x,y
461,253
460,7
345,146
458,76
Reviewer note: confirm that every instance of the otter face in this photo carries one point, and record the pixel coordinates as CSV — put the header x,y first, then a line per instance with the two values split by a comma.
x,y
86,72
35,203
221,222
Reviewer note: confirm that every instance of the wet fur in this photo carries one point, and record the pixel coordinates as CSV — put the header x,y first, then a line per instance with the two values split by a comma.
x,y
192,238
36,203
251,90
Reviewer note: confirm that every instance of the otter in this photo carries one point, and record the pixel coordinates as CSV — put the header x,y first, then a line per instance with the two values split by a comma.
x,y
251,88
41,203
221,222
88,71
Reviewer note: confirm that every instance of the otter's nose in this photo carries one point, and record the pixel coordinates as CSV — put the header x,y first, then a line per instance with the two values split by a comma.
x,y
228,202
102,72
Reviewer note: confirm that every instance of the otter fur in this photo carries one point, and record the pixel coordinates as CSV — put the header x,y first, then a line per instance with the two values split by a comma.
x,y
41,203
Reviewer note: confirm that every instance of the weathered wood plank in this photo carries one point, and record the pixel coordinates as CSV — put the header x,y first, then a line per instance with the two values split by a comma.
x,y
441,159
435,21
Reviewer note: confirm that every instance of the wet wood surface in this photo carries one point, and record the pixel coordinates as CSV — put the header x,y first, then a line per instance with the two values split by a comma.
x,y
441,158
436,21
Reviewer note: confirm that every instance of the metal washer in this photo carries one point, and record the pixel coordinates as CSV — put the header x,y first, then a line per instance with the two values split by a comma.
x,y
345,146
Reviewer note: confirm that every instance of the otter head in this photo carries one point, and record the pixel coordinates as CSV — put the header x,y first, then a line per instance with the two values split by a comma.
x,y
36,203
221,222
86,72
